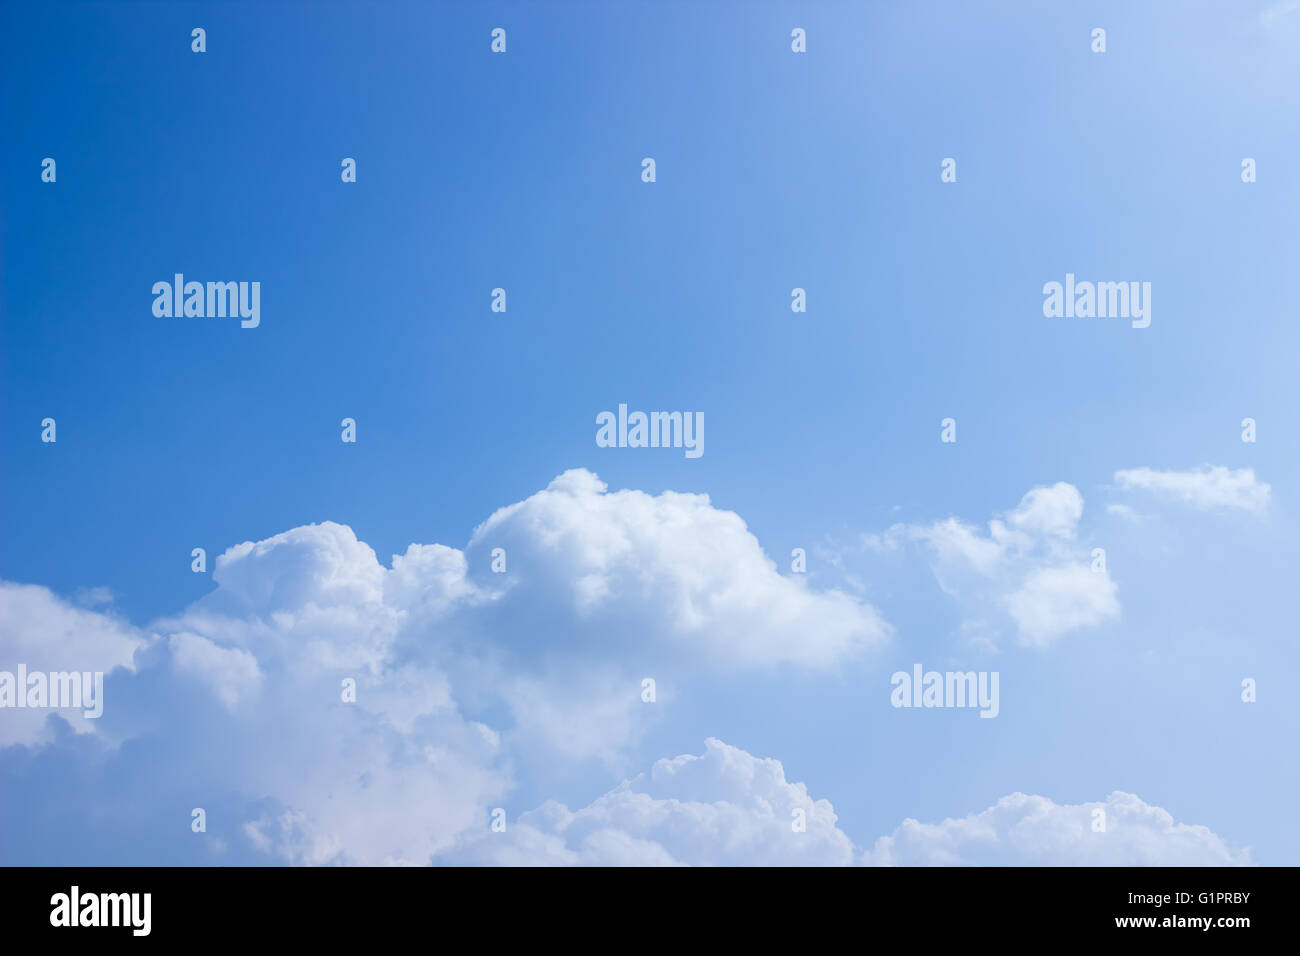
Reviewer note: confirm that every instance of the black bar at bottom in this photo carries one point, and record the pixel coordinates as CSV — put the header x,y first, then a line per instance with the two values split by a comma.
x,y
656,907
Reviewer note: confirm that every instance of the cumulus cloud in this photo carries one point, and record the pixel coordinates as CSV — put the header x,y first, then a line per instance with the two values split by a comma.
x,y
356,751
693,572
722,808
1207,488
296,839
459,673
1028,564
634,583
230,672
1022,830
1054,601
727,807
1049,511
47,634
575,714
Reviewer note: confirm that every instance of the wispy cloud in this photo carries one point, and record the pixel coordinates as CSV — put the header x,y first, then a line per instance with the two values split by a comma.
x,y
1270,15
1028,564
1208,487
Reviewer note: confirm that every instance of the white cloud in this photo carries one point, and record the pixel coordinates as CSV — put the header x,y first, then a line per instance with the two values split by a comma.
x,y
1049,511
292,836
47,634
955,541
728,807
1127,513
1021,830
1271,15
93,597
1028,565
596,579
596,582
1207,487
722,808
321,564
693,573
1044,522
593,714
230,672
1055,601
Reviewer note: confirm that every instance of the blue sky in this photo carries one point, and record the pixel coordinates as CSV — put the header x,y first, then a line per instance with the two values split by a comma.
x,y
775,170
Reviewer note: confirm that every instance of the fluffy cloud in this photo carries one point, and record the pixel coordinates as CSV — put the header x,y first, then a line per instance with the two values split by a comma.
x,y
390,777
694,574
404,777
459,673
957,543
727,807
722,808
230,672
1028,565
632,583
1208,487
47,634
1054,601
1021,830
